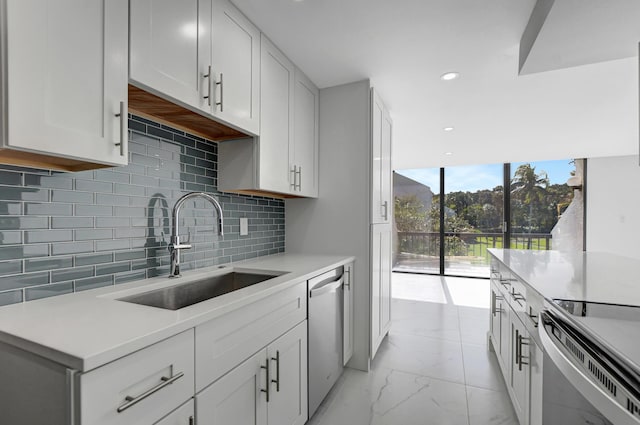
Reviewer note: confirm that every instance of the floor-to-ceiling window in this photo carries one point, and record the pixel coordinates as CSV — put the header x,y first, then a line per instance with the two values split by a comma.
x,y
447,218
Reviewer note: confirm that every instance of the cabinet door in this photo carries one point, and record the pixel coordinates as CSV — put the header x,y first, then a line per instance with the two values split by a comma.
x,y
184,415
276,123
385,168
67,74
347,314
377,206
237,398
505,336
380,284
519,369
304,149
171,49
236,67
495,316
535,385
288,381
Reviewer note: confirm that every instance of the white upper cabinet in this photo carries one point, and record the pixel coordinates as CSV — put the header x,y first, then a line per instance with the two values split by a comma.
x,y
303,152
65,82
171,49
236,67
276,129
381,131
202,54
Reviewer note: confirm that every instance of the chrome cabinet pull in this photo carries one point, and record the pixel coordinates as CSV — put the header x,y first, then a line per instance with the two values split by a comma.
x,y
517,359
221,84
191,421
385,205
294,172
494,298
299,173
520,342
131,401
347,281
121,115
208,77
266,368
533,317
277,380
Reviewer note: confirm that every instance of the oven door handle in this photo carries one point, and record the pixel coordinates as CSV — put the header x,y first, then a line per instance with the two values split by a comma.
x,y
596,396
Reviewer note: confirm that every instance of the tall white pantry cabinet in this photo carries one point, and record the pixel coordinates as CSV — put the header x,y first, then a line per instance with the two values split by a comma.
x,y
354,210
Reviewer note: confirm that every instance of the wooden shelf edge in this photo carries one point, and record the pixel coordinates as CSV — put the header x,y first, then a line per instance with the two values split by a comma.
x,y
154,107
47,162
263,193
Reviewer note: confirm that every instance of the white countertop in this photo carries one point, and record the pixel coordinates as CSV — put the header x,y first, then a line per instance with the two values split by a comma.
x,y
583,276
589,276
85,330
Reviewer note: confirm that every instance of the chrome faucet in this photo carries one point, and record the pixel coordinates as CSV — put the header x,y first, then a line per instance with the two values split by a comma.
x,y
175,246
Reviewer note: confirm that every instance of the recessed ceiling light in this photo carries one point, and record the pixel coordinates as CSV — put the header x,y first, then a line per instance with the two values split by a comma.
x,y
448,153
448,76
448,129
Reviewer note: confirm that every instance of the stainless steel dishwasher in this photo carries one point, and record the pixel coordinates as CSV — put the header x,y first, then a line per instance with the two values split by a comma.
x,y
325,334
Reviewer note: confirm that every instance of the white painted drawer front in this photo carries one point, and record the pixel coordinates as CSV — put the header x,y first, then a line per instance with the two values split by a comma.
x,y
104,390
225,342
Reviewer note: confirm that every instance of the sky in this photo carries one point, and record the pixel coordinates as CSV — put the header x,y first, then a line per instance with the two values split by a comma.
x,y
471,178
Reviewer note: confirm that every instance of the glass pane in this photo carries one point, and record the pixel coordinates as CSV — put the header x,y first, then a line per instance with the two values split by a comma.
x,y
474,200
416,210
544,214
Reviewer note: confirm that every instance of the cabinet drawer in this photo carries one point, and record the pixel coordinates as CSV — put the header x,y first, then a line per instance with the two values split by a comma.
x,y
140,388
225,342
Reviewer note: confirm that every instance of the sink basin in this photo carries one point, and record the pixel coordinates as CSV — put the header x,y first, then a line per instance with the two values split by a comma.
x,y
186,294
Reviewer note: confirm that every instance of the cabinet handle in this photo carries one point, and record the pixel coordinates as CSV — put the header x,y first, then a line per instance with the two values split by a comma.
x,y
277,380
519,356
208,77
533,317
191,421
166,381
221,84
385,205
266,368
494,298
299,173
121,115
347,282
294,176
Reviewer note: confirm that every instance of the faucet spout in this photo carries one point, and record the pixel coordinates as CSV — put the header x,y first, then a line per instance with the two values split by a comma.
x,y
175,246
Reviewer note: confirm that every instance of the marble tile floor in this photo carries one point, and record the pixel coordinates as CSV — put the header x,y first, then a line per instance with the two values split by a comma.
x,y
433,368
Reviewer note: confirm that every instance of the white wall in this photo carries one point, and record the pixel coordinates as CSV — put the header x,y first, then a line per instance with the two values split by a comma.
x,y
613,205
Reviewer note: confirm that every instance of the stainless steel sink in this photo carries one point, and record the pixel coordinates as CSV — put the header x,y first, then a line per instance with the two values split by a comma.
x,y
186,294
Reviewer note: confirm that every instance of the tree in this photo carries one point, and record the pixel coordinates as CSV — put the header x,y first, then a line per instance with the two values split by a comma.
x,y
410,214
528,189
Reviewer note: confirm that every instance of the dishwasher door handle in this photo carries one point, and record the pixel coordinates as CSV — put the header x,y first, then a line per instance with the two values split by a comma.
x,y
327,287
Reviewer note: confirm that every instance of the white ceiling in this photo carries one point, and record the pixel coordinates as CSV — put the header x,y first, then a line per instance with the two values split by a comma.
x,y
404,46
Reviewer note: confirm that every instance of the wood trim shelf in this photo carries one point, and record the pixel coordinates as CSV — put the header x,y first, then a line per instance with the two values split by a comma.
x,y
150,106
48,162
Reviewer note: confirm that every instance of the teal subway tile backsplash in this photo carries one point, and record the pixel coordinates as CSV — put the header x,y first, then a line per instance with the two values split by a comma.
x,y
64,232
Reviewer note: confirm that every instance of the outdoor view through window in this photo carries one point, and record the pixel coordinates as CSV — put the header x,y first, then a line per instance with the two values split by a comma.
x,y
473,219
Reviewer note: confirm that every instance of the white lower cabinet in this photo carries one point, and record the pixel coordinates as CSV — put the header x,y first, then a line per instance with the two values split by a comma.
x,y
514,344
268,388
381,259
248,366
183,415
236,398
519,368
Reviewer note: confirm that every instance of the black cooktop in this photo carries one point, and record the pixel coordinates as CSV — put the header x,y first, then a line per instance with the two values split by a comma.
x,y
600,310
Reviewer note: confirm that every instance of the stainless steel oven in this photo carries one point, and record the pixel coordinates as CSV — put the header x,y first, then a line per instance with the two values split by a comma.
x,y
585,381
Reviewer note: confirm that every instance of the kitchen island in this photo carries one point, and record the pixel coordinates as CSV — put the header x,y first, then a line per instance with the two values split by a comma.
x,y
595,294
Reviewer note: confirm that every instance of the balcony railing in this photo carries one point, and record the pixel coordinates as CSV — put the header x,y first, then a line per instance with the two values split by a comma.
x,y
459,244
